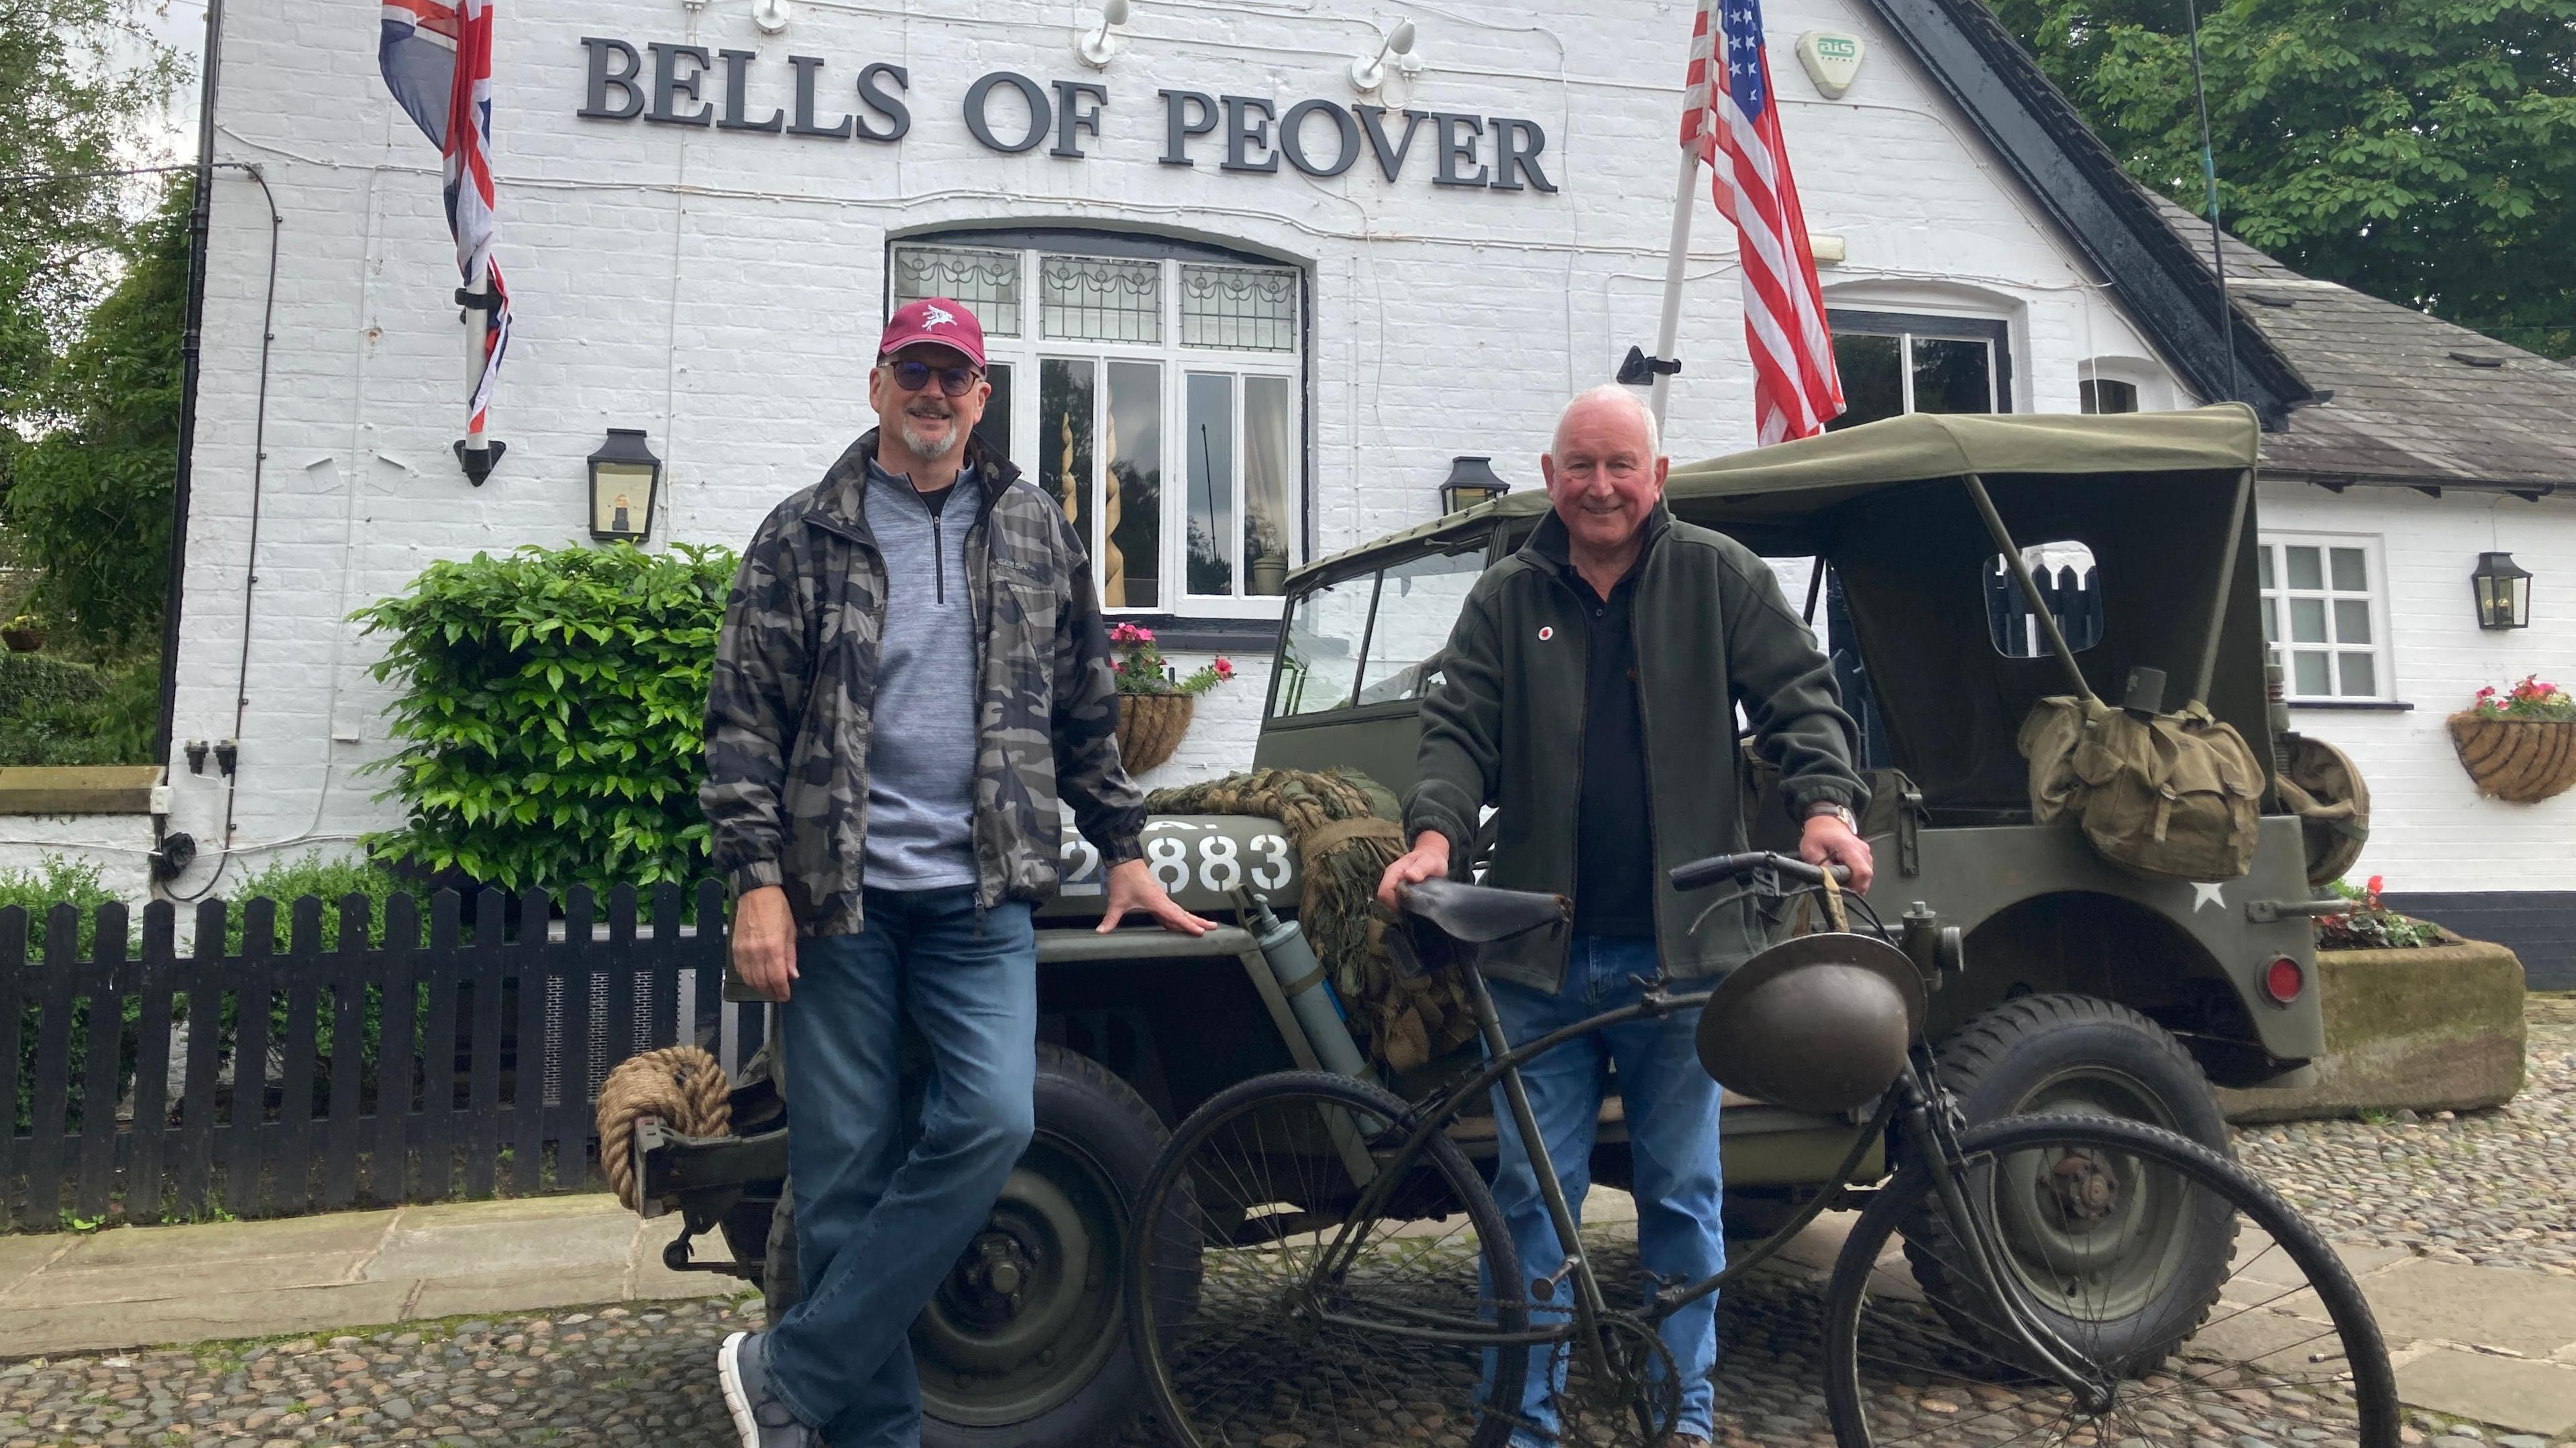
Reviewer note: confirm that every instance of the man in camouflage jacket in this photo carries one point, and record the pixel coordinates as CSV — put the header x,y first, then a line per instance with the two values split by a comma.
x,y
912,673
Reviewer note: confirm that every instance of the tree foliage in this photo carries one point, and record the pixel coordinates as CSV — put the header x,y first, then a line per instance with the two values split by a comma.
x,y
81,77
2423,151
551,713
88,500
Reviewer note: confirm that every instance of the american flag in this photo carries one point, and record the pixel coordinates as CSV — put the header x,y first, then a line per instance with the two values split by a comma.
x,y
437,60
1736,129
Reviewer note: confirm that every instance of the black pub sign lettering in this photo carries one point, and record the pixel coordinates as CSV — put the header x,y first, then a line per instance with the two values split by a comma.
x,y
688,85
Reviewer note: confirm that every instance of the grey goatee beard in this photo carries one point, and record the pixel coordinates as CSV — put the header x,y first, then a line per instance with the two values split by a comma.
x,y
927,448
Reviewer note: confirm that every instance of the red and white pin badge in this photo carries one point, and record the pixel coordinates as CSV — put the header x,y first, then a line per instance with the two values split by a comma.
x,y
1546,632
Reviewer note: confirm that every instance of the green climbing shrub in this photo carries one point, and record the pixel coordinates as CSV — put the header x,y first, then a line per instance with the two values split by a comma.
x,y
550,715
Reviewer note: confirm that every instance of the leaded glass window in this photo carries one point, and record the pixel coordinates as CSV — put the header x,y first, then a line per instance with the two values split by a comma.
x,y
1100,299
988,282
1247,309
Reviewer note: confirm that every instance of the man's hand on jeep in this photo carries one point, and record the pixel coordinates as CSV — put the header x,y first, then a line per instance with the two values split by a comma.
x,y
764,941
1828,840
1427,860
1132,886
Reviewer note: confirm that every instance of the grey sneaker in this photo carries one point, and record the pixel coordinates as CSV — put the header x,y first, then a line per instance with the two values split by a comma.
x,y
758,1414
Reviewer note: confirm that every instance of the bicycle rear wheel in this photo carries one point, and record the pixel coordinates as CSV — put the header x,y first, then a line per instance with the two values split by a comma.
x,y
2199,1299
1268,1341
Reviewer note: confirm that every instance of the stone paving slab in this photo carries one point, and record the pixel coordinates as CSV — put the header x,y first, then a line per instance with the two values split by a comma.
x,y
2526,1313
2532,1397
133,1286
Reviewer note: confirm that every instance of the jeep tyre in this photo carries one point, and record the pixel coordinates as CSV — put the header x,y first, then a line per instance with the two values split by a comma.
x,y
1047,1365
2080,1054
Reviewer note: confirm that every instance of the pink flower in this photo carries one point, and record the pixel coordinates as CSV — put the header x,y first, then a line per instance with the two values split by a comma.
x,y
1142,635
1117,666
1224,667
2373,886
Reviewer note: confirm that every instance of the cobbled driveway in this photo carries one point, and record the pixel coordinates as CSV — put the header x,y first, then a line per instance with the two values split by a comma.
x,y
2490,1188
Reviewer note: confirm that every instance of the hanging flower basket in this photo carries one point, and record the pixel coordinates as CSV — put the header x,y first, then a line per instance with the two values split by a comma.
x,y
2523,760
1150,727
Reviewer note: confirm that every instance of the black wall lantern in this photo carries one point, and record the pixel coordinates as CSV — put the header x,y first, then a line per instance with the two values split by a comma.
x,y
624,476
1471,481
2503,590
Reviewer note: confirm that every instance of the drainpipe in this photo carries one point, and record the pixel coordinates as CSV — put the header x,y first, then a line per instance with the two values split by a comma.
x,y
190,339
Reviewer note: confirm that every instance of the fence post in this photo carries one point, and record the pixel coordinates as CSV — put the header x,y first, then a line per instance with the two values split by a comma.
x,y
46,1139
254,972
192,1183
581,1020
483,1092
17,995
151,1064
529,960
348,975
389,1166
438,1050
299,974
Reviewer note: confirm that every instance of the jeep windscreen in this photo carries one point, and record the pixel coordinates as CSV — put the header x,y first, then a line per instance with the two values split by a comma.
x,y
1356,657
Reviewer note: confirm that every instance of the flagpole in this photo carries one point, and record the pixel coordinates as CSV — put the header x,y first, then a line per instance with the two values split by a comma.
x,y
476,453
1677,258
1668,326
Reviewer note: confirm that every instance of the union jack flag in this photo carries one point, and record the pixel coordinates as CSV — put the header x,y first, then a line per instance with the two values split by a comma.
x,y
437,60
1736,129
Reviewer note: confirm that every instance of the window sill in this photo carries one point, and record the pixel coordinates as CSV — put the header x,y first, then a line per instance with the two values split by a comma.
x,y
2353,706
1202,634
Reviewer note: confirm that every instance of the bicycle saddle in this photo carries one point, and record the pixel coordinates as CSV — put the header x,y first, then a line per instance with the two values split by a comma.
x,y
1480,914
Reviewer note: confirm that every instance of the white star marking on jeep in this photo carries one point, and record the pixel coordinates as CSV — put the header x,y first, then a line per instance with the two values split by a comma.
x,y
2207,895
934,317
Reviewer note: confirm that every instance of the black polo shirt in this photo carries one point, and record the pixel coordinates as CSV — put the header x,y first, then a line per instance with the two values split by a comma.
x,y
1614,859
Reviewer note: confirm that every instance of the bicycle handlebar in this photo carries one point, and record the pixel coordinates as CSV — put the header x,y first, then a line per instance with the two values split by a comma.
x,y
1730,867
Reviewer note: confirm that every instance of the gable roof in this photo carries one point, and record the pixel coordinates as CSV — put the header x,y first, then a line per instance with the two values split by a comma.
x,y
2406,407
2074,177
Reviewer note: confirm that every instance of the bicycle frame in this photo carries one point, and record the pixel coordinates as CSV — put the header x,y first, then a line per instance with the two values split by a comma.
x,y
1932,1133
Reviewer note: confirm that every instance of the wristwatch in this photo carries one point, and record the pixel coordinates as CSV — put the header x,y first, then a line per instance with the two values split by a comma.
x,y
1850,821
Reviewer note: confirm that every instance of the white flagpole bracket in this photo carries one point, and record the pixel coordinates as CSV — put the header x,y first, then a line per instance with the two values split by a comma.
x,y
476,453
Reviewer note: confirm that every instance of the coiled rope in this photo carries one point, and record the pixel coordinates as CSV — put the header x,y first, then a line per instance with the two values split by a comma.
x,y
683,1085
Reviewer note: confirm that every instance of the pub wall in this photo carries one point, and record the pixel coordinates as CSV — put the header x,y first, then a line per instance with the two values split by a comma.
x,y
722,290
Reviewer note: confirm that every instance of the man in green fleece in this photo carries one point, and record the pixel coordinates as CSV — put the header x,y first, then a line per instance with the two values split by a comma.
x,y
1589,695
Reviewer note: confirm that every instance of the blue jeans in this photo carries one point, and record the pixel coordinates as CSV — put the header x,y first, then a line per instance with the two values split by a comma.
x,y
1671,1107
878,1226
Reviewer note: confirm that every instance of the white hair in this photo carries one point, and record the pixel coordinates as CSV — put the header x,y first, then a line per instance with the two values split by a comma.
x,y
1612,392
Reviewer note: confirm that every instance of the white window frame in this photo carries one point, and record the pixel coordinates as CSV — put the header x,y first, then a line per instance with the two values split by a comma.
x,y
2276,600
1024,354
1909,327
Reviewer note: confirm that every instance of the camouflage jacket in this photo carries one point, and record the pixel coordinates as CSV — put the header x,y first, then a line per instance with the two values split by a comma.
x,y
793,703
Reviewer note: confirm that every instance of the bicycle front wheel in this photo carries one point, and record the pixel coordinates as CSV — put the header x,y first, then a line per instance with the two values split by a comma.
x,y
1306,1321
2188,1300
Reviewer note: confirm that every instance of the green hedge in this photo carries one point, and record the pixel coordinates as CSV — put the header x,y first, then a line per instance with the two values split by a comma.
x,y
54,711
551,709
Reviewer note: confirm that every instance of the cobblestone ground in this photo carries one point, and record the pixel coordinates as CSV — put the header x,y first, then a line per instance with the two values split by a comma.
x,y
2487,1187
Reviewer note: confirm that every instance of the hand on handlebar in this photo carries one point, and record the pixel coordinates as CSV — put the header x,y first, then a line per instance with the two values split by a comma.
x,y
1827,841
1427,860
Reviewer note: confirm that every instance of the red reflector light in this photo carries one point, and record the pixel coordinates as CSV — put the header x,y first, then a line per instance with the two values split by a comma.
x,y
2283,980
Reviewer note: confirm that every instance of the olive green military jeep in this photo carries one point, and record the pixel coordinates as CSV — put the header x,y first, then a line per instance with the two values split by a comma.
x,y
2070,984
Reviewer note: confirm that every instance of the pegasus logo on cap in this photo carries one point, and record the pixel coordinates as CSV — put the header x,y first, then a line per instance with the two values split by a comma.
x,y
934,317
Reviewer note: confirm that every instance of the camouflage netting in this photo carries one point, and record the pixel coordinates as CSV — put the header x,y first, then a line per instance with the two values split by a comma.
x,y
1346,831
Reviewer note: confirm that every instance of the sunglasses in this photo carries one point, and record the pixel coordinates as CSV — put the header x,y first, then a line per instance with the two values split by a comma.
x,y
913,376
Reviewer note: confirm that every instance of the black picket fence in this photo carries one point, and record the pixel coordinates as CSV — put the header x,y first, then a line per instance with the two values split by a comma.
x,y
460,1059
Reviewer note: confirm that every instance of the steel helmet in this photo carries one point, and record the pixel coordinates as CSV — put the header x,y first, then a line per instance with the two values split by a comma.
x,y
1817,1023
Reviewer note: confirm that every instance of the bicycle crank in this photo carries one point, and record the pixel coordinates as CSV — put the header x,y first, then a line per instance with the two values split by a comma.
x,y
1636,1402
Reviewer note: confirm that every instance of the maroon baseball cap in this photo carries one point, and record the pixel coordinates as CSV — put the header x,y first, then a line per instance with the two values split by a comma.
x,y
933,319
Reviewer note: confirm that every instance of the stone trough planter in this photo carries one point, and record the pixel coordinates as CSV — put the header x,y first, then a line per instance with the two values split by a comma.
x,y
2432,1029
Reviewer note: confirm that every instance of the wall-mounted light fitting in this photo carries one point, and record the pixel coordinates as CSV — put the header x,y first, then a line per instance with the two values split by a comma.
x,y
624,476
1096,45
769,15
1470,481
1368,72
2503,590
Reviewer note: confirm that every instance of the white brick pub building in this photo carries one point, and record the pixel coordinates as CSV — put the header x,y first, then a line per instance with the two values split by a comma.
x,y
1252,308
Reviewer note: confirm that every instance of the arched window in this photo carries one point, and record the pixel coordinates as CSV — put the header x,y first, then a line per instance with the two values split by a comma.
x,y
1156,389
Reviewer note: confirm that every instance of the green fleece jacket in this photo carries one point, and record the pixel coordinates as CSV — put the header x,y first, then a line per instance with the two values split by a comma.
x,y
1504,727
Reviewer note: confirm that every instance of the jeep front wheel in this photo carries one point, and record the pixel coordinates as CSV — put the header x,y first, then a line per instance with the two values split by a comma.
x,y
1025,1343
2078,1054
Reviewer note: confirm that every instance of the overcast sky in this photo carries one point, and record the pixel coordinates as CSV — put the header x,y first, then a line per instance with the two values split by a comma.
x,y
181,25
